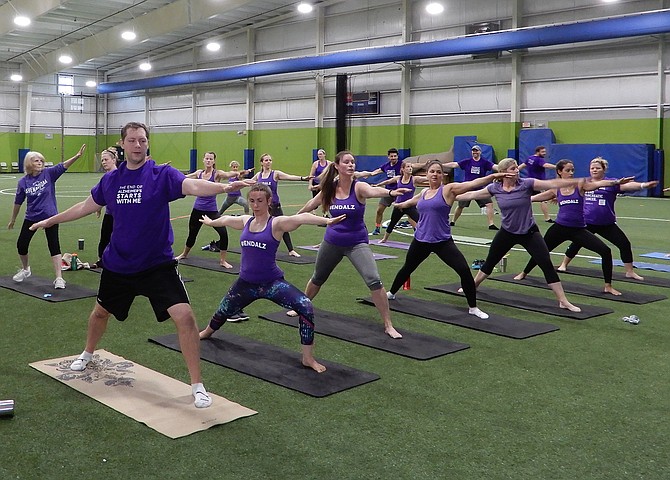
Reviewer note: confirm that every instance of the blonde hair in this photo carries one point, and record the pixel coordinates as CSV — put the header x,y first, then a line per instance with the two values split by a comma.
x,y
504,165
234,162
29,161
603,163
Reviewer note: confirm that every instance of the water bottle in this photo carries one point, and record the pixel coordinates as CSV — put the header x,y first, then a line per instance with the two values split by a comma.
x,y
74,262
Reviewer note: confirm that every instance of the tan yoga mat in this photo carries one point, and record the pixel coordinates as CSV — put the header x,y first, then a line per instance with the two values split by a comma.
x,y
159,401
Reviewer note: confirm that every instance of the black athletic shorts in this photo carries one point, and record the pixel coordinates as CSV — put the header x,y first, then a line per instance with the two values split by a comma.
x,y
162,285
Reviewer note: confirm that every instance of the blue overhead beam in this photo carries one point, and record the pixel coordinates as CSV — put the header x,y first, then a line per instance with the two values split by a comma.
x,y
647,23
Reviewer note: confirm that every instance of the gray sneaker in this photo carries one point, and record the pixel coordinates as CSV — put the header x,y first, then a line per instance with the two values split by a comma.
x,y
239,317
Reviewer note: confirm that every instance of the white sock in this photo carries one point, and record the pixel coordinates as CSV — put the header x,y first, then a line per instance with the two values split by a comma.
x,y
478,313
202,399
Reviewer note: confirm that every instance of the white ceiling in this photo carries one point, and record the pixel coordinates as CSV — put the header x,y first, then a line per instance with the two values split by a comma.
x,y
89,30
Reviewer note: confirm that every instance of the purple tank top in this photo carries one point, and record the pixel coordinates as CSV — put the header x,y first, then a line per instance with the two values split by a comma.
x,y
599,205
236,193
272,183
433,225
410,185
259,251
318,171
570,209
352,230
206,204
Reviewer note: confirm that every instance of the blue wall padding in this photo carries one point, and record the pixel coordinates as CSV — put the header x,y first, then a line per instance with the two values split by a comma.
x,y
193,157
658,173
370,163
513,153
531,138
22,156
625,160
315,155
403,153
249,159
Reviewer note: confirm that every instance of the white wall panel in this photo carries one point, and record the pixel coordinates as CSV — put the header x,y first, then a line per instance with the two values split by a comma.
x,y
171,100
465,100
285,90
231,93
474,72
286,37
126,104
222,114
383,21
9,117
176,116
116,121
284,110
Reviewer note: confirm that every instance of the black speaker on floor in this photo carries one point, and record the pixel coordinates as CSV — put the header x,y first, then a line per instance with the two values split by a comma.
x,y
341,112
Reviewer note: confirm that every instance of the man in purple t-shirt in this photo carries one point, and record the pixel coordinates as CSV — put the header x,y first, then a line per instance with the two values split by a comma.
x,y
391,169
473,168
537,166
139,259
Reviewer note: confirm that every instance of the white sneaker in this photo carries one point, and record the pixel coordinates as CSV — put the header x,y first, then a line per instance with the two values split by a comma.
x,y
390,296
80,363
59,283
478,313
22,274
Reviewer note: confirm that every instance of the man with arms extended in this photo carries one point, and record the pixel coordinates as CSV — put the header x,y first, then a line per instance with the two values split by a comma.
x,y
536,165
391,169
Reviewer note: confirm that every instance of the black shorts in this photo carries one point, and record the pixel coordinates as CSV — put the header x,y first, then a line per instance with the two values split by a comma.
x,y
481,203
162,285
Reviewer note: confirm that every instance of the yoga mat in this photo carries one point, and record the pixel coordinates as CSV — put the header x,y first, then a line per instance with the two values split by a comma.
x,y
441,312
43,288
659,267
285,257
158,401
210,264
658,255
583,289
390,244
363,332
618,276
547,304
475,240
377,256
274,364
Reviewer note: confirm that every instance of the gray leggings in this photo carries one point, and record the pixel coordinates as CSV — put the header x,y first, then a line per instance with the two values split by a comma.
x,y
360,256
232,200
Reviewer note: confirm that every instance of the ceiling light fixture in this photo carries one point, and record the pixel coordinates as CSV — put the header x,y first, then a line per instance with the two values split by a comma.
x,y
91,83
213,46
128,35
434,8
304,7
21,21
145,66
65,59
16,77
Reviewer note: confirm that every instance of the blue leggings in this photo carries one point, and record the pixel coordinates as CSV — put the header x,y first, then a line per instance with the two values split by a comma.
x,y
242,293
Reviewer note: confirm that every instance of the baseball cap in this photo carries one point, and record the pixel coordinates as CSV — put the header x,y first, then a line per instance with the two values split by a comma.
x,y
477,147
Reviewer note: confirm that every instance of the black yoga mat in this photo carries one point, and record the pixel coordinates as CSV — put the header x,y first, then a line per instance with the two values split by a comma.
x,y
210,264
363,332
285,257
274,364
583,289
548,304
617,276
441,312
43,288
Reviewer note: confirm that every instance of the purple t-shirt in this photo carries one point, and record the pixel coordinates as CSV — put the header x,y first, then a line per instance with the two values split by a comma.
x,y
351,231
570,209
433,225
391,171
259,255
40,191
410,185
474,169
142,236
599,205
515,206
535,167
206,204
270,182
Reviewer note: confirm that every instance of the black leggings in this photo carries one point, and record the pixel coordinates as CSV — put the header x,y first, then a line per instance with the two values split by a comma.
x,y
397,214
531,241
276,211
557,234
105,233
194,225
449,254
611,233
26,236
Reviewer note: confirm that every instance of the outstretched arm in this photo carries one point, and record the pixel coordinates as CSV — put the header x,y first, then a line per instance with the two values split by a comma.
x,y
482,194
363,190
205,188
75,212
76,157
408,203
462,187
289,223
226,221
451,165
637,186
279,175
387,181
543,196
312,204
366,174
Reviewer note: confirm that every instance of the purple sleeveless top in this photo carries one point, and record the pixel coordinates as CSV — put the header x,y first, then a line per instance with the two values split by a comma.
x,y
433,225
318,171
206,204
410,185
352,230
270,182
259,250
570,209
599,205
236,193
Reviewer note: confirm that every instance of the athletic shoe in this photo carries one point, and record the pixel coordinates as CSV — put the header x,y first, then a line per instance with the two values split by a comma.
x,y
403,224
493,227
22,274
452,224
549,221
239,317
633,319
59,283
390,296
80,363
376,231
478,313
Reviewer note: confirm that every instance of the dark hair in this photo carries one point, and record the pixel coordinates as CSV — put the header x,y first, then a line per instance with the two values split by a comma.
x,y
261,187
392,150
328,184
133,126
561,164
540,147
430,163
211,153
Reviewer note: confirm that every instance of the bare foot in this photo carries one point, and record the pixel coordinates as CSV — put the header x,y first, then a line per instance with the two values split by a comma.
x,y
392,332
610,289
460,290
569,306
180,257
293,253
206,333
292,313
634,276
561,268
313,364
225,264
520,276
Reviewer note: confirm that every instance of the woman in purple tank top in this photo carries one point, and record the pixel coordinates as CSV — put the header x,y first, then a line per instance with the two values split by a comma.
x,y
318,167
570,224
260,277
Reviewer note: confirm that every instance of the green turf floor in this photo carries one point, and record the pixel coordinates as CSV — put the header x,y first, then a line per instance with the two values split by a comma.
x,y
590,401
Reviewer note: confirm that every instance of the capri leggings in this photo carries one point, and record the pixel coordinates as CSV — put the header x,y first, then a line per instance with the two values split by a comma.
x,y
281,292
557,234
531,241
397,214
232,200
276,211
329,256
448,252
26,236
611,233
194,225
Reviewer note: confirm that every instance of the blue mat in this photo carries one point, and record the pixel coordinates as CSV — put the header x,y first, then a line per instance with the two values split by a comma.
x,y
658,255
659,267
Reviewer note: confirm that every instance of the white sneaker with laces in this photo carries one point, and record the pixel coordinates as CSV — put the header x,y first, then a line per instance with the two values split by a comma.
x,y
390,296
22,274
80,363
59,283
